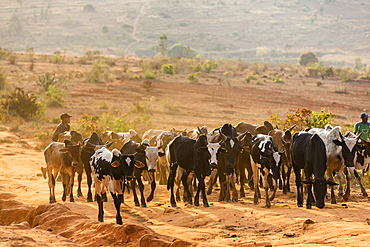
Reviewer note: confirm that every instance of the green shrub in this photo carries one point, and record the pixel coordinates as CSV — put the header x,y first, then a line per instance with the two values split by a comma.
x,y
54,97
250,77
278,79
307,57
302,118
193,77
46,80
168,69
149,75
2,53
346,74
57,58
20,104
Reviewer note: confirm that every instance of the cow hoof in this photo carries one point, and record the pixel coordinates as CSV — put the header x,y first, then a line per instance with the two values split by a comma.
x,y
196,204
143,206
64,198
150,198
308,206
89,200
173,205
364,195
300,205
71,199
79,194
52,201
206,205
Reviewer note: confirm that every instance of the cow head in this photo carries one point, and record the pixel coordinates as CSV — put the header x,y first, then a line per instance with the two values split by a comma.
x,y
72,151
213,150
230,150
320,188
349,147
128,162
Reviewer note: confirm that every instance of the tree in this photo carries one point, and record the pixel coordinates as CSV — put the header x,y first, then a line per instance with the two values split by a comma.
x,y
307,57
163,45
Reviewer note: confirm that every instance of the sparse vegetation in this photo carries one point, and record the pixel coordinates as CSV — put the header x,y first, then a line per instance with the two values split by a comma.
x,y
20,104
193,77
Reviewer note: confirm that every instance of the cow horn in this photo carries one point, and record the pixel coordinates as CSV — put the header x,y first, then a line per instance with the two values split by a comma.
x,y
223,136
291,128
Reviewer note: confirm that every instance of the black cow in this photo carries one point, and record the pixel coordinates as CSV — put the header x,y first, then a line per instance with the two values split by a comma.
x,y
110,171
145,166
89,146
309,153
189,155
227,160
267,161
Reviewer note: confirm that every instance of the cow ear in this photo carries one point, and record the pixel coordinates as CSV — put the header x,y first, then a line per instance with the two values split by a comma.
x,y
332,183
241,149
223,150
338,143
139,164
282,151
161,154
63,150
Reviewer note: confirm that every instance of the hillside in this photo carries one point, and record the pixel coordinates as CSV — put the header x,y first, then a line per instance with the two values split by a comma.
x,y
265,31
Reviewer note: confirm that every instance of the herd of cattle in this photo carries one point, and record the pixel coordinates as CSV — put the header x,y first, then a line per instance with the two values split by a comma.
x,y
260,156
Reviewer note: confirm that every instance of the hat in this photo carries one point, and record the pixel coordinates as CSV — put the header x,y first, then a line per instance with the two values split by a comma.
x,y
364,115
64,115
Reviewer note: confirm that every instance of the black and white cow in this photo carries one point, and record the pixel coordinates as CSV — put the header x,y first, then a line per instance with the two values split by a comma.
x,y
188,155
227,160
145,166
110,171
340,153
265,160
62,157
309,154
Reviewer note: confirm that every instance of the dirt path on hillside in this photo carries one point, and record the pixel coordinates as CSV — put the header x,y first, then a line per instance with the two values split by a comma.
x,y
24,195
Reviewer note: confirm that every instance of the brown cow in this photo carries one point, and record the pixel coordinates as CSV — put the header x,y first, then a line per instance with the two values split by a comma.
x,y
63,158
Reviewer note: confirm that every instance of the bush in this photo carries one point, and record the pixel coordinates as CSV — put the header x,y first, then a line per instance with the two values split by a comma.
x,y
307,57
20,104
54,97
89,8
47,80
183,51
193,77
168,69
302,118
149,75
250,77
57,58
278,79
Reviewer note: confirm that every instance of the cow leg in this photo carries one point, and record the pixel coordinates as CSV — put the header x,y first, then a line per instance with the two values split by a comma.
x,y
297,172
310,198
171,183
141,189
332,195
266,186
243,178
272,197
357,176
117,205
234,197
133,187
79,179
152,187
227,187
340,179
287,183
255,183
187,194
51,183
347,193
71,183
212,181
222,179
99,200
250,174
65,182
89,183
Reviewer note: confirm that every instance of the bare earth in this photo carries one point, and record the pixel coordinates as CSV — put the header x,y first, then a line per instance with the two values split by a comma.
x,y
27,219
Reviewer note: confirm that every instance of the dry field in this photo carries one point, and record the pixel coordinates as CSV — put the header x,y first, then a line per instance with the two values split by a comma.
x,y
212,102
